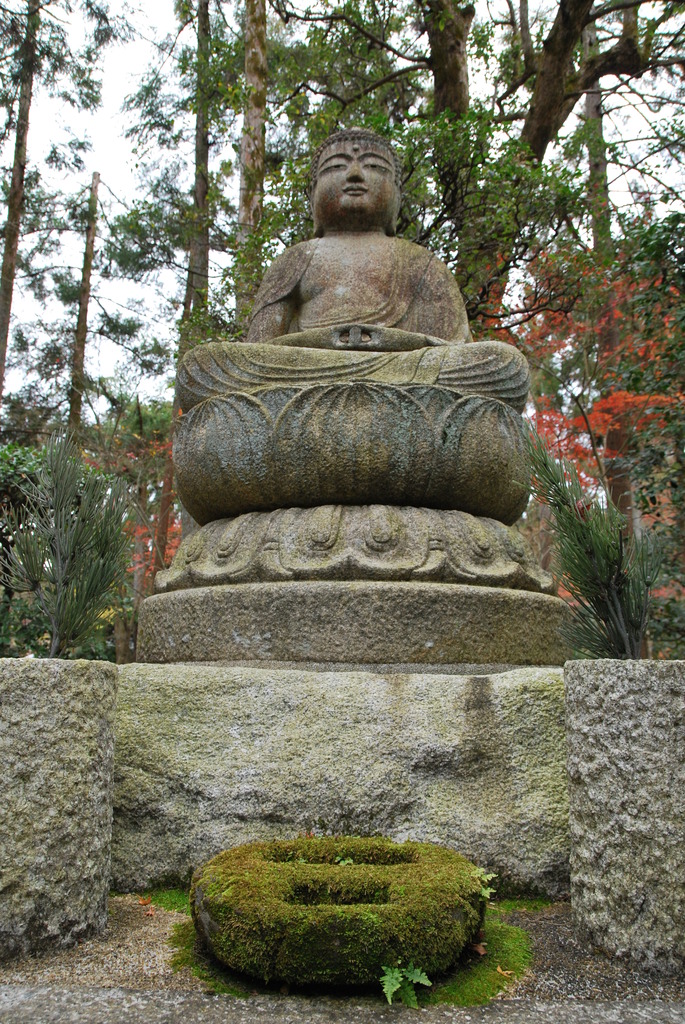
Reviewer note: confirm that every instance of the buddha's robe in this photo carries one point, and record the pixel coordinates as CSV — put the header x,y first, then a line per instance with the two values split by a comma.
x,y
421,297
415,335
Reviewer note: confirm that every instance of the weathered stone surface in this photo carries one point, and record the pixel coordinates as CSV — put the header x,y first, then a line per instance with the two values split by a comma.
x,y
489,369
208,757
371,542
353,622
23,1005
56,756
625,723
351,443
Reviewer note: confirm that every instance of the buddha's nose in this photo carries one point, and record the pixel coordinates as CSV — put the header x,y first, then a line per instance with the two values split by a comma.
x,y
355,171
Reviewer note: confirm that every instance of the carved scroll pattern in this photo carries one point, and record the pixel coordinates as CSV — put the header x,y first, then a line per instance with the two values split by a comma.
x,y
374,542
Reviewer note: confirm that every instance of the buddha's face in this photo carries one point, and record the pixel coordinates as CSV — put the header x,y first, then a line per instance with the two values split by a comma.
x,y
355,189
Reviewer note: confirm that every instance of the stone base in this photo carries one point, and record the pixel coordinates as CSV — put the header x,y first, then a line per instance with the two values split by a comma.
x,y
626,769
437,623
56,757
209,757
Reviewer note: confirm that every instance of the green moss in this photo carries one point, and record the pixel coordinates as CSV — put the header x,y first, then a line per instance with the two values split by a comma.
x,y
477,980
190,953
528,905
171,899
335,910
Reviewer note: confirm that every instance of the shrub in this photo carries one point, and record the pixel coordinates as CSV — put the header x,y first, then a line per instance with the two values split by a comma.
x,y
609,576
336,910
66,545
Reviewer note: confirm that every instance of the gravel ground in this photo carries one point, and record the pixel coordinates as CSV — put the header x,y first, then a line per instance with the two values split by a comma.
x,y
564,967
134,954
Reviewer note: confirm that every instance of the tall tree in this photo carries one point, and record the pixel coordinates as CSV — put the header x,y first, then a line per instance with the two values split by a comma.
x,y
252,153
39,53
79,352
198,254
15,200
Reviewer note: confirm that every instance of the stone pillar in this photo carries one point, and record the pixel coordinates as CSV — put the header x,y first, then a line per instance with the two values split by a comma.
x,y
625,723
56,759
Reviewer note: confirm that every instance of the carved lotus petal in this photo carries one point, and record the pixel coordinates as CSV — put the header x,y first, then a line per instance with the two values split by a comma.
x,y
222,457
353,443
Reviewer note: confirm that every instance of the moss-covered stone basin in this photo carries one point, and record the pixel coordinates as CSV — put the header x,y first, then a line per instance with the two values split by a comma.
x,y
336,910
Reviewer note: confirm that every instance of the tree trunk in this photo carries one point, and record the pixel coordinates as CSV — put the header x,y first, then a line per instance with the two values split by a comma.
x,y
163,516
548,106
15,200
448,27
197,283
252,153
124,647
199,240
609,337
78,358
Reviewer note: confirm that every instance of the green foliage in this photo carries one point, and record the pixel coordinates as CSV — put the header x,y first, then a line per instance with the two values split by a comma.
x,y
23,632
529,904
290,911
651,370
18,466
403,981
67,545
608,576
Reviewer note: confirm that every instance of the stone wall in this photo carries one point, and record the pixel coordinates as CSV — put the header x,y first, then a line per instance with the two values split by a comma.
x,y
209,756
626,765
56,755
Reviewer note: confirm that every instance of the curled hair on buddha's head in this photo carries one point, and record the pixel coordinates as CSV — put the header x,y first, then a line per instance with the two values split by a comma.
x,y
359,135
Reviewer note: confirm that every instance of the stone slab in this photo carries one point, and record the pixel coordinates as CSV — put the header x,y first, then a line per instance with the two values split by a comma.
x,y
19,1005
208,757
352,622
626,765
56,756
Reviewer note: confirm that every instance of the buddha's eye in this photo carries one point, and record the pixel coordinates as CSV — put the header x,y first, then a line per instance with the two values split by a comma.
x,y
334,165
376,165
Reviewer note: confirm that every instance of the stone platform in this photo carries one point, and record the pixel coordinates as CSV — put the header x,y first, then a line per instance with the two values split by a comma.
x,y
210,756
353,622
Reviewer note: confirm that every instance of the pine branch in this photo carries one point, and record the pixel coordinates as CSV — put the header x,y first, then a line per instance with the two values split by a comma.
x,y
609,577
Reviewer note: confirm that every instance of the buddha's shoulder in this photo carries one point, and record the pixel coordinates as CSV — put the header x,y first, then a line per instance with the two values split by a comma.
x,y
286,271
418,258
292,257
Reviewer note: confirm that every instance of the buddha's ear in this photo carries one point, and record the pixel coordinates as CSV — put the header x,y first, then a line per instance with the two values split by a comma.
x,y
391,225
318,229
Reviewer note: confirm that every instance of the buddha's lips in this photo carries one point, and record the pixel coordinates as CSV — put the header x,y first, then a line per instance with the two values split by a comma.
x,y
355,190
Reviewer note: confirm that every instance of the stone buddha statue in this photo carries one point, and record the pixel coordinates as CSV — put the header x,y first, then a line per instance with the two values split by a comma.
x,y
358,432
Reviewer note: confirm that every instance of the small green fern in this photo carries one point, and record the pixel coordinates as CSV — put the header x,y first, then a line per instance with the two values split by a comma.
x,y
401,980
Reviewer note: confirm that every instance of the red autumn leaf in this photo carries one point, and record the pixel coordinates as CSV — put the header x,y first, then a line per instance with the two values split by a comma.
x,y
144,900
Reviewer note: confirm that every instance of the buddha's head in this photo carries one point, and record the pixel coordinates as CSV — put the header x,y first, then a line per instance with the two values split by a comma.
x,y
355,184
